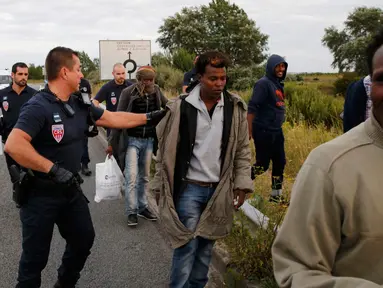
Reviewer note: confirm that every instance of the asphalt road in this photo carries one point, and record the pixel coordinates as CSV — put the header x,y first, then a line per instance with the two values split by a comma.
x,y
121,256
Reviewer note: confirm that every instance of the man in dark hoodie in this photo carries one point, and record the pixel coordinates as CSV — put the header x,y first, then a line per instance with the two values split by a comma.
x,y
266,114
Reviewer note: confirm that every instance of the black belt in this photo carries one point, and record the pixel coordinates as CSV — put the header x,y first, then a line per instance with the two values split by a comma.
x,y
202,184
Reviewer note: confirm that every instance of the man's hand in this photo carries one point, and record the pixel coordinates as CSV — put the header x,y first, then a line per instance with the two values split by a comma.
x,y
109,151
60,175
155,117
239,198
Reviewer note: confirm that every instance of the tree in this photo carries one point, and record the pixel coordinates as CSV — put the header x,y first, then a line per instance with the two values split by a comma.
x,y
96,62
348,45
218,26
35,72
183,60
87,65
160,58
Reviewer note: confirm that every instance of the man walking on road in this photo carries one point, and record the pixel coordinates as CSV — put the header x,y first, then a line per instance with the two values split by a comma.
x,y
332,233
111,91
265,118
203,169
135,146
12,98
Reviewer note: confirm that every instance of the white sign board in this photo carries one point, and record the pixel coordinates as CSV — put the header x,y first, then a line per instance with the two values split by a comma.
x,y
131,53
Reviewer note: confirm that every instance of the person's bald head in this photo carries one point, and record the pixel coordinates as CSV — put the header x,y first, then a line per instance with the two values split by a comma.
x,y
119,73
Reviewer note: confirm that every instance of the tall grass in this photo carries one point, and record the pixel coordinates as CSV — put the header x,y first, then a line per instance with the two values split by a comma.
x,y
250,245
305,103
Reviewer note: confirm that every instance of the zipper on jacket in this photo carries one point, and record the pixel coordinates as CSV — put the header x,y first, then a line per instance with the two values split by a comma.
x,y
147,108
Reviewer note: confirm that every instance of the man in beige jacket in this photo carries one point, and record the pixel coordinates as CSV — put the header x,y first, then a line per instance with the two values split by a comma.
x,y
203,169
332,235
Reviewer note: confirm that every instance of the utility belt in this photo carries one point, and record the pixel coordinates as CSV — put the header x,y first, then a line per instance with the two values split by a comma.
x,y
28,184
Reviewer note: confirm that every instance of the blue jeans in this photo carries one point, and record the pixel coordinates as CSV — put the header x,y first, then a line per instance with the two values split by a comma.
x,y
190,265
137,169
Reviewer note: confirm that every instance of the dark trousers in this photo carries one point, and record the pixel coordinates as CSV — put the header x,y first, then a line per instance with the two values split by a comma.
x,y
85,154
74,222
10,162
270,146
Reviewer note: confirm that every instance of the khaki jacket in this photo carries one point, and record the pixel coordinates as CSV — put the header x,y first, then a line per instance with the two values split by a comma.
x,y
332,235
216,220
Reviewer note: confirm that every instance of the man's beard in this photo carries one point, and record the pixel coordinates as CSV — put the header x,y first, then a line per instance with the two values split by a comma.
x,y
21,83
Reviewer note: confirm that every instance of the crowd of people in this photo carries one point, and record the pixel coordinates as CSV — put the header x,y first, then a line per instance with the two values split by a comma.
x,y
330,235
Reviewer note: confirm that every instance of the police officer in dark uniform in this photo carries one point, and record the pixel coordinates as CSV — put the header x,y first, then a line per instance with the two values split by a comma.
x,y
190,78
47,140
111,91
87,90
12,98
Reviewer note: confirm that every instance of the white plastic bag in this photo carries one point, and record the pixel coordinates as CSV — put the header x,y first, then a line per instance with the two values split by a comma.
x,y
109,180
1,146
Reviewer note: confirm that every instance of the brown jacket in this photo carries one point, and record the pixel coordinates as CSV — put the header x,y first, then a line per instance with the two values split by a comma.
x,y
216,220
332,235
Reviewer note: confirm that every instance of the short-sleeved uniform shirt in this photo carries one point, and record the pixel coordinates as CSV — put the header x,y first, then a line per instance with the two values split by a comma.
x,y
110,93
55,135
11,103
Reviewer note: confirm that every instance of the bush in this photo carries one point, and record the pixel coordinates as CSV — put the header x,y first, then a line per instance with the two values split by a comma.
x,y
244,77
169,78
183,60
341,84
306,103
160,58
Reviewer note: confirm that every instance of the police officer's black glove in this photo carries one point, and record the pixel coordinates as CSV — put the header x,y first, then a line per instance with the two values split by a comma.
x,y
154,117
60,175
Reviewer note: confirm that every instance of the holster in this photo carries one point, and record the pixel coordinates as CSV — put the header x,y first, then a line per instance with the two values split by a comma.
x,y
21,185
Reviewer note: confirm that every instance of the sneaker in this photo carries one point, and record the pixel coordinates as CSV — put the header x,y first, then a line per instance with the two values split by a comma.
x,y
85,170
147,215
132,220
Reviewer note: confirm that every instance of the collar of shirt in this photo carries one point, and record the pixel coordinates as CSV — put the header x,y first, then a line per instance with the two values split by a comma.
x,y
25,90
194,99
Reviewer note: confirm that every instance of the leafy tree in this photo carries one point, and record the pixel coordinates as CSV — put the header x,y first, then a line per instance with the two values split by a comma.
x,y
183,60
218,26
348,45
87,65
160,58
35,72
96,62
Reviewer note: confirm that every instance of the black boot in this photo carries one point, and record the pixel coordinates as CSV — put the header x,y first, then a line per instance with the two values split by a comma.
x,y
85,170
58,284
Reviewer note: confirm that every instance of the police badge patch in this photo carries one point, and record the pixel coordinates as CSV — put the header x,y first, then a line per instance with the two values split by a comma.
x,y
5,105
58,132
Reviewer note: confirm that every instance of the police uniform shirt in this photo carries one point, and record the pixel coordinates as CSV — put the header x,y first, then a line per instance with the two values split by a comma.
x,y
11,103
55,134
85,86
110,93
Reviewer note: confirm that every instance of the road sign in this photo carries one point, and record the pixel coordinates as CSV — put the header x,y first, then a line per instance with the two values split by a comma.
x,y
131,53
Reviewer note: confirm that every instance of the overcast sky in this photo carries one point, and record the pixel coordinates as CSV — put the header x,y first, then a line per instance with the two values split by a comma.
x,y
30,28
